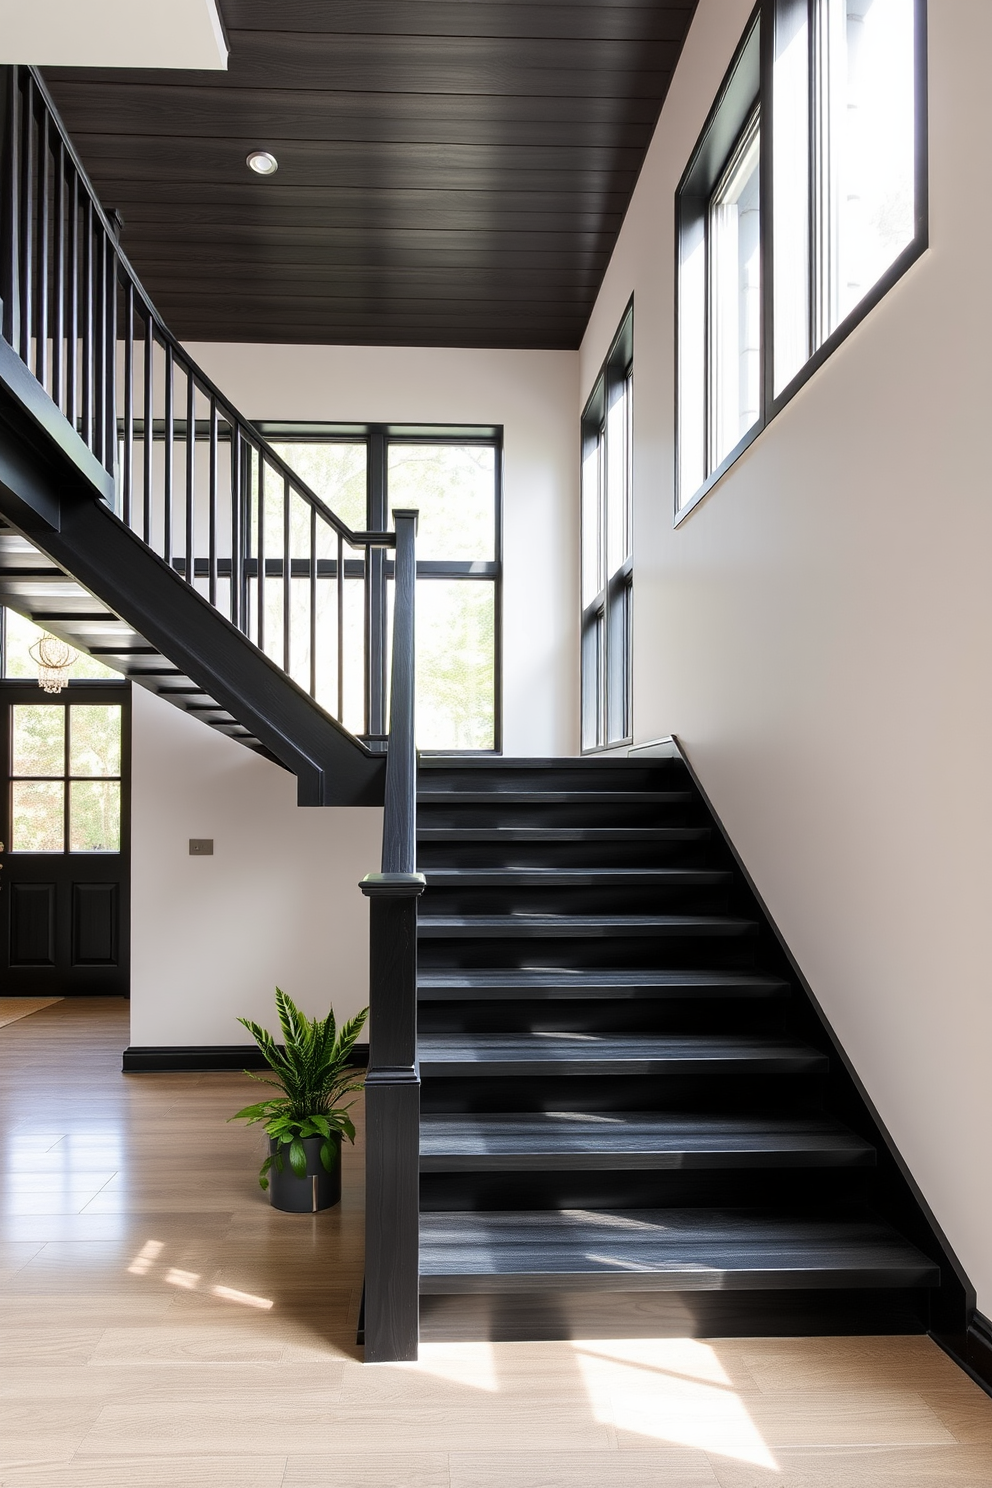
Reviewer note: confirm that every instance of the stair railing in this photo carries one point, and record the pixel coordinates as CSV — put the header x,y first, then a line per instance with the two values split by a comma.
x,y
392,1085
191,476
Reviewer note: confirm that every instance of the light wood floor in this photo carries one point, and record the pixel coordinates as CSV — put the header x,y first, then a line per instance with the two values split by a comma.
x,y
163,1327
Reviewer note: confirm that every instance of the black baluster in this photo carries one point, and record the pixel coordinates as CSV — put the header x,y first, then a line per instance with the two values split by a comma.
x,y
41,346
313,601
128,470
168,463
190,460
72,328
287,576
340,598
12,245
58,323
27,221
87,311
260,584
148,448
212,557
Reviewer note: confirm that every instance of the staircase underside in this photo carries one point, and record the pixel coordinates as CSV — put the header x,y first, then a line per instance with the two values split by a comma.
x,y
33,585
629,1121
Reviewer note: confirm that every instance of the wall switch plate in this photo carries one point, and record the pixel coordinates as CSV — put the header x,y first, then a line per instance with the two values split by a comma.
x,y
201,847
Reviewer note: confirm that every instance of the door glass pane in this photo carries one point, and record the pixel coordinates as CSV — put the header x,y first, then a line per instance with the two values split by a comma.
x,y
334,472
37,815
456,664
38,739
95,739
95,816
453,486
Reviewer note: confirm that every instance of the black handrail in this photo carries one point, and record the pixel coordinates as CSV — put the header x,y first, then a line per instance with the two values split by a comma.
x,y
192,477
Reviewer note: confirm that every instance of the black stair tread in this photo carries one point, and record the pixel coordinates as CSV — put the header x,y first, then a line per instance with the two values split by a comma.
x,y
595,764
662,1249
516,797
563,834
610,1140
540,983
572,878
520,923
450,1054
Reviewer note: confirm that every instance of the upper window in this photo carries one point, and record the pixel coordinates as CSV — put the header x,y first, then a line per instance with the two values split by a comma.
x,y
835,104
452,476
607,569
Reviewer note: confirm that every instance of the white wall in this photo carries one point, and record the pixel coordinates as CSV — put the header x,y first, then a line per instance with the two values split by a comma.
x,y
819,630
532,394
277,903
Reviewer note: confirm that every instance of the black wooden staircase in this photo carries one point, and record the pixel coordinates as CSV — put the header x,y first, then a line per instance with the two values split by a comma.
x,y
620,1110
628,1113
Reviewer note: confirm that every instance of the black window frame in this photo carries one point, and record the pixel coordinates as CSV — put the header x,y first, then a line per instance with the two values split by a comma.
x,y
377,437
746,86
606,623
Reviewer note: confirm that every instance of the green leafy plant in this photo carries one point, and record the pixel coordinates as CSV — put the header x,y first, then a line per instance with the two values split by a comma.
x,y
312,1071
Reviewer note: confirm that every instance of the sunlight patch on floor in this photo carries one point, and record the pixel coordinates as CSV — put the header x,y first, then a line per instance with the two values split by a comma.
x,y
674,1390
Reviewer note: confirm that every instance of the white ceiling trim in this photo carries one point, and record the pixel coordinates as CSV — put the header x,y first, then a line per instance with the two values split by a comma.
x,y
113,33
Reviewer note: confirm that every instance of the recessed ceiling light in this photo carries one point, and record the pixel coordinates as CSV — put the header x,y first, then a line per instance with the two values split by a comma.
x,y
262,163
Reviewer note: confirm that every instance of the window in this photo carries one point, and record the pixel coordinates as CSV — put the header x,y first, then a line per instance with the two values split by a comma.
x,y
453,476
65,777
836,104
607,570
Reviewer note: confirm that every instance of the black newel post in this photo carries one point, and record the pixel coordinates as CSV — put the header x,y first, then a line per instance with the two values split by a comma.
x,y
392,1087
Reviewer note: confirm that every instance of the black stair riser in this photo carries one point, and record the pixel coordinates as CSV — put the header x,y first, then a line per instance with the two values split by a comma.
x,y
794,1314
543,853
451,816
556,775
483,985
577,927
732,954
675,899
807,1189
727,1092
659,1016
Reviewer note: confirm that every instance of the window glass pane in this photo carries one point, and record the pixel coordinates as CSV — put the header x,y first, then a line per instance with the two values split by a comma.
x,y
735,311
37,816
453,486
334,472
790,163
592,578
865,72
456,664
692,354
94,816
20,636
95,739
38,739
616,479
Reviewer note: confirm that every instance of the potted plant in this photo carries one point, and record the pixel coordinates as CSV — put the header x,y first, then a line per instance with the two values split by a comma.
x,y
305,1123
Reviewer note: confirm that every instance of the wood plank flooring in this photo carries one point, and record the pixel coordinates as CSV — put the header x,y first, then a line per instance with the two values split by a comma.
x,y
163,1327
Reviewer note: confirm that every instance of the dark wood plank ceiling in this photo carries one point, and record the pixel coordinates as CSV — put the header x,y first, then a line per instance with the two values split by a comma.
x,y
451,172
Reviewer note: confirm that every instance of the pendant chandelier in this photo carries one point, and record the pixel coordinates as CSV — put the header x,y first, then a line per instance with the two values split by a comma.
x,y
54,658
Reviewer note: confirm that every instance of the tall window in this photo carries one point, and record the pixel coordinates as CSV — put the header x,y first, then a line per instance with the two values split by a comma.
x,y
607,570
453,476
777,266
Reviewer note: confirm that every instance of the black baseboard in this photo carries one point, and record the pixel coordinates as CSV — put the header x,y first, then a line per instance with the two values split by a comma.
x,y
972,1350
150,1059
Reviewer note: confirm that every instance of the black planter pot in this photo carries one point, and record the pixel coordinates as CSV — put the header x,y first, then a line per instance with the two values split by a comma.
x,y
319,1189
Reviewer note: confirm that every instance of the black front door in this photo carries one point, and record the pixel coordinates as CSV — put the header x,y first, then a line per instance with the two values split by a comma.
x,y
64,817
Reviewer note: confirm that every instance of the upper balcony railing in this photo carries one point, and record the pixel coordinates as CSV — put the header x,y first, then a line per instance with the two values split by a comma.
x,y
191,476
